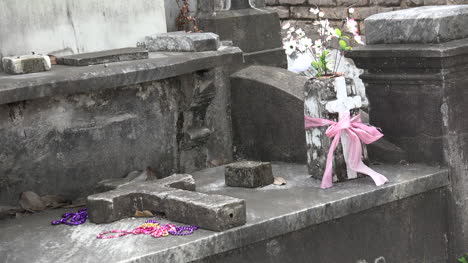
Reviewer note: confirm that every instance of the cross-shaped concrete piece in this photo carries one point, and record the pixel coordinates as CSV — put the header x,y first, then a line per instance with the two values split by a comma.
x,y
175,197
342,104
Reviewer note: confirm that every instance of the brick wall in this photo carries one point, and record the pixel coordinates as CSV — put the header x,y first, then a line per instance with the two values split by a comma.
x,y
297,11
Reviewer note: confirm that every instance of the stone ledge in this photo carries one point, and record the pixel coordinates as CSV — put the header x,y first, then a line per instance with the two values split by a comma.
x,y
447,49
68,80
303,204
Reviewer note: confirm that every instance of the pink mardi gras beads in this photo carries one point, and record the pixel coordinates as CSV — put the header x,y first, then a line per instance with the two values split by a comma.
x,y
151,227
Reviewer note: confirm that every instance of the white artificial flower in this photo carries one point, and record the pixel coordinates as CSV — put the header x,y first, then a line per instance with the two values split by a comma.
x,y
306,42
321,14
286,26
358,39
331,32
289,47
301,47
314,11
291,29
351,10
351,25
301,63
300,33
318,43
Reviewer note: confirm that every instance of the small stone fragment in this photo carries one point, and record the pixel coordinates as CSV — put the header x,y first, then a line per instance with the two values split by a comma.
x,y
248,174
31,201
279,181
7,211
179,181
132,175
53,201
77,203
144,213
26,64
183,42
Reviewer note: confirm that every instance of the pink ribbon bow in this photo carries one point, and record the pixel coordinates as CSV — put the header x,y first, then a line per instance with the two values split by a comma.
x,y
357,132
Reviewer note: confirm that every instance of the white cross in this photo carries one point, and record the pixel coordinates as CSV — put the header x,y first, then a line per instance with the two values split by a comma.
x,y
342,104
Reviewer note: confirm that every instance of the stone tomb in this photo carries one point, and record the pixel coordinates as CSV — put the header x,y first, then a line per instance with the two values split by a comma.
x,y
175,197
328,99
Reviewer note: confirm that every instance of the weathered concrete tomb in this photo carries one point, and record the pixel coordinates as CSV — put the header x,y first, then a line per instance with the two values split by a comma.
x,y
191,108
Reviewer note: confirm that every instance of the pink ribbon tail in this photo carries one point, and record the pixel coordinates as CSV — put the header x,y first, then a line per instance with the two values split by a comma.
x,y
356,132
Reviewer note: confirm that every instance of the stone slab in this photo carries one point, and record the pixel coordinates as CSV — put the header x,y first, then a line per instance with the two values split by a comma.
x,y
103,57
302,204
268,100
63,80
182,42
248,174
26,64
421,25
271,57
249,29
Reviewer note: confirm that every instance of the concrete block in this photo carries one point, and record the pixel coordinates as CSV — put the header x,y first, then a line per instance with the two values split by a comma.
x,y
26,64
250,29
212,212
181,41
102,57
124,201
248,174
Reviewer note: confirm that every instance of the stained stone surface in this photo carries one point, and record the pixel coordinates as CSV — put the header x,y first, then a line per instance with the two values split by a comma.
x,y
213,212
427,24
272,212
102,57
26,64
182,42
248,174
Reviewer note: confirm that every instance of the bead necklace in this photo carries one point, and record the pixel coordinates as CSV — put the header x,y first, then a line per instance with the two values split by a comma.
x,y
153,228
72,219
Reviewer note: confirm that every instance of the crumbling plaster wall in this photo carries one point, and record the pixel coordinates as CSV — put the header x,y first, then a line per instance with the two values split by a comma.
x,y
70,26
66,144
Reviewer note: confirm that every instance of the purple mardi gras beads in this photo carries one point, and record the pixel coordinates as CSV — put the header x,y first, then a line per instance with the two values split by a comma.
x,y
182,230
72,219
